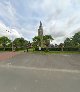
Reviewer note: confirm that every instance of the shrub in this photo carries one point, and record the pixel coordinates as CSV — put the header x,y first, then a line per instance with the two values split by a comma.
x,y
18,49
6,49
1,49
70,49
10,49
58,49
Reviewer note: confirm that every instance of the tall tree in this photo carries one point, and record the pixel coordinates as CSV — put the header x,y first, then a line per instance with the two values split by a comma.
x,y
73,42
4,41
36,41
47,39
76,39
68,42
20,42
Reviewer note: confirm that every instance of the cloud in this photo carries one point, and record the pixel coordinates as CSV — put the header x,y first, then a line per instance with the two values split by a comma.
x,y
64,23
60,18
10,33
8,12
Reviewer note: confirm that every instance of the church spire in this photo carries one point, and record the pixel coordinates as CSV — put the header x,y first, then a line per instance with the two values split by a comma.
x,y
40,30
40,24
40,33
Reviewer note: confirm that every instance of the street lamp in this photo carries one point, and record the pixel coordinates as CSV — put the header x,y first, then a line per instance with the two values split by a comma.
x,y
12,39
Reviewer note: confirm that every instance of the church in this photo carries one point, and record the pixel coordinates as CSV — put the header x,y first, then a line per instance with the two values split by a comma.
x,y
40,30
40,34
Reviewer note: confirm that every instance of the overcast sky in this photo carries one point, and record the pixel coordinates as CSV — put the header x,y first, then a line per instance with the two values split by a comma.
x,y
60,18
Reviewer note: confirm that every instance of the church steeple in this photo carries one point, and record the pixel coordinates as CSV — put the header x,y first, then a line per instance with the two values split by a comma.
x,y
40,24
40,30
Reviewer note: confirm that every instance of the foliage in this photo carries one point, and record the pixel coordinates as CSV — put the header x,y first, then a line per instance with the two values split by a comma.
x,y
73,42
61,45
58,49
36,41
4,41
45,39
20,43
6,49
76,39
68,42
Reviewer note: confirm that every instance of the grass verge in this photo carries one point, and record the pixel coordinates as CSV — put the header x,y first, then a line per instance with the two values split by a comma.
x,y
56,52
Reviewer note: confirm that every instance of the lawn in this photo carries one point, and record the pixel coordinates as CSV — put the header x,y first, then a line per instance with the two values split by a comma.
x,y
56,52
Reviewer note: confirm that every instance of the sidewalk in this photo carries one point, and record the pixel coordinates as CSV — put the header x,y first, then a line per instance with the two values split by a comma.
x,y
7,55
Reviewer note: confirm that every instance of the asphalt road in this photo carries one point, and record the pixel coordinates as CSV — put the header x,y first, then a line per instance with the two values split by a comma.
x,y
40,73
59,61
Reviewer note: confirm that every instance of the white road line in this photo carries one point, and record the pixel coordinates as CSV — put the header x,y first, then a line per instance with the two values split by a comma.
x,y
66,55
40,69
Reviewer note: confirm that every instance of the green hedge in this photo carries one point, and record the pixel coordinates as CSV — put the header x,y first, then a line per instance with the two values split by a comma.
x,y
1,49
10,49
50,49
18,49
6,49
70,49
43,49
58,49
54,49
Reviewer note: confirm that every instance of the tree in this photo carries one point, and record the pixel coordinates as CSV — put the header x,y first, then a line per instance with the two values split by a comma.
x,y
76,39
47,39
73,42
36,41
4,41
61,45
68,42
20,43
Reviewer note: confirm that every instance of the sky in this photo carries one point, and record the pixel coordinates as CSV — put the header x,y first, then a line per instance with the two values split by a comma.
x,y
60,18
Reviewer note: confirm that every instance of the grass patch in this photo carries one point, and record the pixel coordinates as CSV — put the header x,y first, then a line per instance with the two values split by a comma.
x,y
56,52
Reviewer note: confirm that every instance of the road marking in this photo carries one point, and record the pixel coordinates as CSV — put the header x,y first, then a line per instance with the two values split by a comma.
x,y
66,55
41,69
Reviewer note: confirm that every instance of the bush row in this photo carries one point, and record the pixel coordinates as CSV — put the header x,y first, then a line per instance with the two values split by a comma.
x,y
43,49
10,49
18,49
58,49
6,49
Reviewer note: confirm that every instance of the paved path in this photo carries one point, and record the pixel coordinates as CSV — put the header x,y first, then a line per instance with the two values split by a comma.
x,y
7,55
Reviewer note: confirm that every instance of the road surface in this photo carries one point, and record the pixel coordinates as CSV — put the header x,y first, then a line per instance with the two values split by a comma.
x,y
40,73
